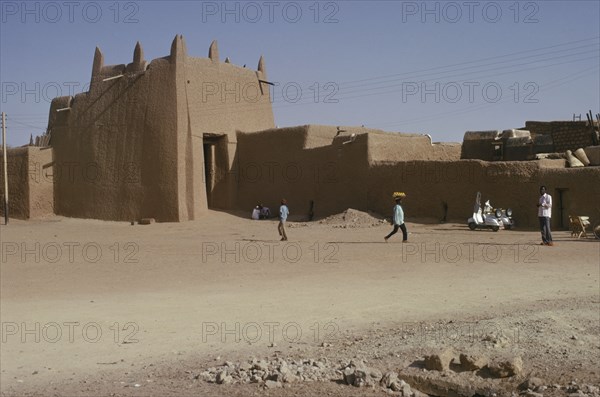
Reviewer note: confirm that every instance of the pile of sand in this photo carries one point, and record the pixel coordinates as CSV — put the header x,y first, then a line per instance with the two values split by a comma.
x,y
352,218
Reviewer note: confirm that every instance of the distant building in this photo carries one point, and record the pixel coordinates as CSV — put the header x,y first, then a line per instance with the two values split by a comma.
x,y
524,144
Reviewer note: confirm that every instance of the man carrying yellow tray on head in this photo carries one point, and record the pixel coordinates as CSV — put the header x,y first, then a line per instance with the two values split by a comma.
x,y
398,218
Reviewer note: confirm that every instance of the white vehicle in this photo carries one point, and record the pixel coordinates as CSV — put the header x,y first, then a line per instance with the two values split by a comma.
x,y
505,216
486,219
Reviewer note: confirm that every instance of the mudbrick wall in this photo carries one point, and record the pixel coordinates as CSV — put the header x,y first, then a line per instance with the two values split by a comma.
x,y
30,183
137,137
338,175
166,139
566,135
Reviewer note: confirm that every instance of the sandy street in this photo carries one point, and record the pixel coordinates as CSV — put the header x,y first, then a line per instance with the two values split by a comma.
x,y
96,308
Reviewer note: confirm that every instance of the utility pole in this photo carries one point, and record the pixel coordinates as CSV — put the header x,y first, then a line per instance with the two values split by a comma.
x,y
5,168
590,118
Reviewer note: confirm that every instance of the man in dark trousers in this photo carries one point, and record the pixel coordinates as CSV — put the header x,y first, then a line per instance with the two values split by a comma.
x,y
398,218
544,215
283,214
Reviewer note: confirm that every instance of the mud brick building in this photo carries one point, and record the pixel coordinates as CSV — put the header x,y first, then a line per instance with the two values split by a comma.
x,y
170,138
565,135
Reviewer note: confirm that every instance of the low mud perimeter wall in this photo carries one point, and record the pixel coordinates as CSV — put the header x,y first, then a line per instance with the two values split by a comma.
x,y
331,179
446,190
30,183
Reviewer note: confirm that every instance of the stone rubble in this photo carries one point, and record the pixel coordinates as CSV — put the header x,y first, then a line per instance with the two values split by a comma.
x,y
352,218
278,373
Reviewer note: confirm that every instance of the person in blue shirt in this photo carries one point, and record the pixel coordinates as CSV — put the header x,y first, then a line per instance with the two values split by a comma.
x,y
398,218
283,214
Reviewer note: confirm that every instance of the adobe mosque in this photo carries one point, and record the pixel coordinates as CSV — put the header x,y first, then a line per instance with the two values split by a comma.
x,y
170,138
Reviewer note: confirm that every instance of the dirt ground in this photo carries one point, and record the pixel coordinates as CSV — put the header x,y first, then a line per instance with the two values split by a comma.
x,y
93,308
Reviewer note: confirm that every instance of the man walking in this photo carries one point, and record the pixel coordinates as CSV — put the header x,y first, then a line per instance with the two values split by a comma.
x,y
398,218
283,214
544,214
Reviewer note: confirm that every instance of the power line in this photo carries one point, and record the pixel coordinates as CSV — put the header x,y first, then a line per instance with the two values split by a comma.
x,y
383,87
546,87
481,60
378,90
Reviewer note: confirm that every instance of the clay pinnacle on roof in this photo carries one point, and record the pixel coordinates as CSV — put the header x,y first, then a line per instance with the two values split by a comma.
x,y
261,66
138,53
213,51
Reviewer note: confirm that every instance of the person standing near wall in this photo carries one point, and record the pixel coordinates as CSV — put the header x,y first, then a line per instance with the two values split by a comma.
x,y
544,215
398,218
283,214
256,213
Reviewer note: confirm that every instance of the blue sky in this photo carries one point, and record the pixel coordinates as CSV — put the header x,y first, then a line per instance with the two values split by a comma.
x,y
436,67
